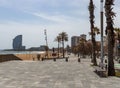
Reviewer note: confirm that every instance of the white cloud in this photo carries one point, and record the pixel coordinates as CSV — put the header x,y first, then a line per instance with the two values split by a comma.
x,y
51,18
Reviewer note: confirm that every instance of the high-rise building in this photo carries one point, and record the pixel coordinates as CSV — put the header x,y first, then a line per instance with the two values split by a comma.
x,y
17,43
76,39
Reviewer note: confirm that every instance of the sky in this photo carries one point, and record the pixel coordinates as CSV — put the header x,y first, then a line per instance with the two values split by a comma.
x,y
31,17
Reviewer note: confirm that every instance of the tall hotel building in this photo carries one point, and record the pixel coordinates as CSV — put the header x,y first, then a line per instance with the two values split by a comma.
x,y
76,39
17,43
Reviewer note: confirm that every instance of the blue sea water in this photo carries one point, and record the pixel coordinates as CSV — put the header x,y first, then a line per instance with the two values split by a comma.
x,y
20,52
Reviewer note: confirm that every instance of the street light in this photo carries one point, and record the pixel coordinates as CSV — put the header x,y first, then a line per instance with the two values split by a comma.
x,y
45,33
101,16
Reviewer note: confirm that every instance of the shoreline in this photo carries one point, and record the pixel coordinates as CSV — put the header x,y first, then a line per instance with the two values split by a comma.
x,y
29,56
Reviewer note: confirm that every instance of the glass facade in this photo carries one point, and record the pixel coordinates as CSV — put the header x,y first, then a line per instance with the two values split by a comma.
x,y
17,43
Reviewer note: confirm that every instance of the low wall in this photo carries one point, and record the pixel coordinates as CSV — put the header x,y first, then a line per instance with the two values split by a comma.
x,y
34,56
9,57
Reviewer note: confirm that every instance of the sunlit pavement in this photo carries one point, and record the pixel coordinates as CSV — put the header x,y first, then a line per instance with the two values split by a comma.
x,y
50,74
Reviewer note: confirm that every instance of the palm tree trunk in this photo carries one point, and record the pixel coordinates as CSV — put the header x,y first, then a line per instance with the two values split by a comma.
x,y
58,49
63,48
91,11
111,70
94,61
94,52
110,34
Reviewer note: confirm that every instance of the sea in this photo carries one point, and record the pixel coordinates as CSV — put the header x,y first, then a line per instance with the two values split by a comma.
x,y
20,52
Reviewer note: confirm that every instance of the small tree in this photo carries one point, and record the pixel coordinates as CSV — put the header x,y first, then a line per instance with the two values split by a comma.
x,y
89,48
68,48
82,47
75,50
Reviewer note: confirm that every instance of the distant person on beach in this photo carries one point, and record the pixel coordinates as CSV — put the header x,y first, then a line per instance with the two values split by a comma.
x,y
33,58
38,57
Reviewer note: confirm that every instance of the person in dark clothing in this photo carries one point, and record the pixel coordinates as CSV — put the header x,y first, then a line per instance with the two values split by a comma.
x,y
38,57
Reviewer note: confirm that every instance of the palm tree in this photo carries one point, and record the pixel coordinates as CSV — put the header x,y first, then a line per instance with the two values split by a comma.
x,y
91,8
96,31
64,37
110,35
58,39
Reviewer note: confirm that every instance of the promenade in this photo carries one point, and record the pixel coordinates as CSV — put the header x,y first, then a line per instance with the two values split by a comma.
x,y
50,74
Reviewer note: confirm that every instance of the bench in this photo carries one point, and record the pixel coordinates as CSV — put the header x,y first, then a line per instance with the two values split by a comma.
x,y
101,70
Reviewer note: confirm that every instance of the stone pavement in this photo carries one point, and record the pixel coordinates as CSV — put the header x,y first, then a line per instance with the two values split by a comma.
x,y
50,74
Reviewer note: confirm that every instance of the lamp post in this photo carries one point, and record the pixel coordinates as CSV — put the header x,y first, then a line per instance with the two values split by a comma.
x,y
101,21
45,33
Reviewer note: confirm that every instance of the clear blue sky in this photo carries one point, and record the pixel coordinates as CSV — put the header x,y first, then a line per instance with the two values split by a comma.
x,y
31,17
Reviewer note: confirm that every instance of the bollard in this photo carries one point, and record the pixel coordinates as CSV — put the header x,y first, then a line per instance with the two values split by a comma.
x,y
42,59
66,59
78,59
54,59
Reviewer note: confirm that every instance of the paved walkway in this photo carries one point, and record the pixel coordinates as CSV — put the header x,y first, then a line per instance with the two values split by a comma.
x,y
49,74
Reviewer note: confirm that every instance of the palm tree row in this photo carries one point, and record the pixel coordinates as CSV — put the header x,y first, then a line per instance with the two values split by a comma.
x,y
109,32
62,38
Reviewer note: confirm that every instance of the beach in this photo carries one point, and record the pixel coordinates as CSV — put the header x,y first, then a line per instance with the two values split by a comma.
x,y
30,56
